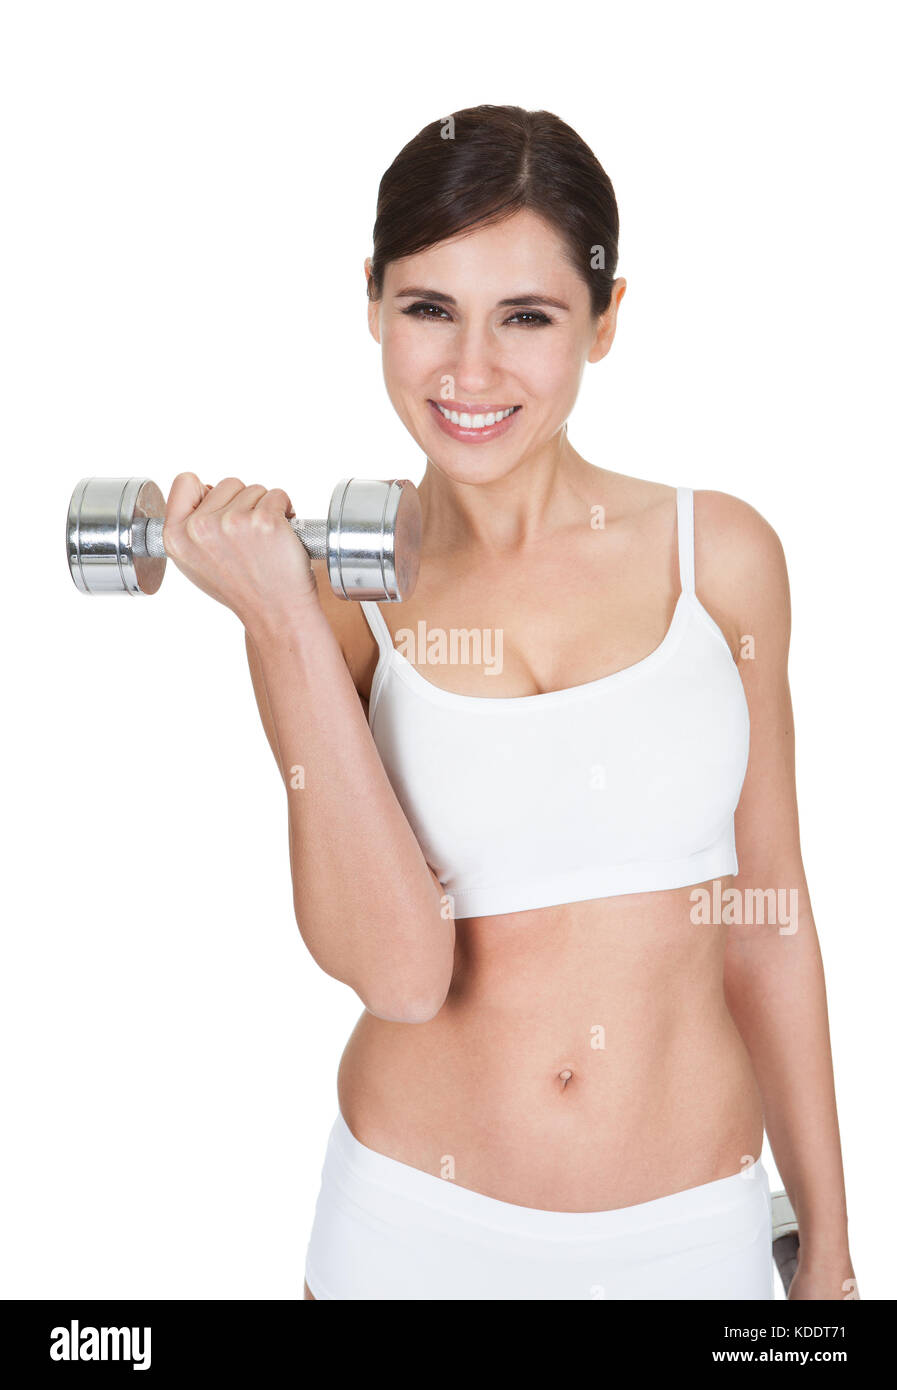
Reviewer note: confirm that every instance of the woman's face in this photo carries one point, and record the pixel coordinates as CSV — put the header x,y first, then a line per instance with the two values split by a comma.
x,y
484,340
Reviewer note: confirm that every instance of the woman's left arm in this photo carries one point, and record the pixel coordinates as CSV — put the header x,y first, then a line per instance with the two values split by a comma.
x,y
774,981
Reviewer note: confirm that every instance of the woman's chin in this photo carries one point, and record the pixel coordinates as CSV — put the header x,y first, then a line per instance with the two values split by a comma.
x,y
471,471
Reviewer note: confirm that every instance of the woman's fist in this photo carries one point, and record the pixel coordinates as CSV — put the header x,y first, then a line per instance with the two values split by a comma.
x,y
235,544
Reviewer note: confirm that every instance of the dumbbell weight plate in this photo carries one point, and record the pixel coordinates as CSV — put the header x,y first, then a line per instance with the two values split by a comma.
x,y
373,539
104,527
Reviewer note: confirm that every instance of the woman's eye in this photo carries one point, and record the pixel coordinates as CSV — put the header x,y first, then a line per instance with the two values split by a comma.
x,y
427,311
529,317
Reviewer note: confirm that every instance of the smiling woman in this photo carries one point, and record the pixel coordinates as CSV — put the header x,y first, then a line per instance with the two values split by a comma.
x,y
558,1085
499,164
498,306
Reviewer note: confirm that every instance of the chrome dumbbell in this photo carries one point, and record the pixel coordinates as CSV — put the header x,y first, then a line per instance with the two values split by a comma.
x,y
785,1238
370,539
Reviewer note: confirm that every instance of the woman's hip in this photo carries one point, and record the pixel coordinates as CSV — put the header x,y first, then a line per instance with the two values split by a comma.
x,y
385,1230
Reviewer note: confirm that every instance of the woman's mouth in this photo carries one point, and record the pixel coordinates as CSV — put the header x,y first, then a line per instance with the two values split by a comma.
x,y
473,423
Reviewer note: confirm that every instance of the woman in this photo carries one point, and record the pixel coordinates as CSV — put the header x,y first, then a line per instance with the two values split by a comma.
x,y
515,838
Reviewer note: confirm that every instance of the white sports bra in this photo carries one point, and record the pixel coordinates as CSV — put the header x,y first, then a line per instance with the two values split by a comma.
x,y
625,784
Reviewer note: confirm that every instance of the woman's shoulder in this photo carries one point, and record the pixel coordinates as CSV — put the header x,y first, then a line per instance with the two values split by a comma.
x,y
727,528
739,562
741,576
734,541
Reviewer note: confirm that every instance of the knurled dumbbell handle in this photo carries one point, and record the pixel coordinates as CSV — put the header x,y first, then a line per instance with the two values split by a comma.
x,y
312,534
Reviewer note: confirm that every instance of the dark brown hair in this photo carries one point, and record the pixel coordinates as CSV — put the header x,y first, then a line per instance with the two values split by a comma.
x,y
482,165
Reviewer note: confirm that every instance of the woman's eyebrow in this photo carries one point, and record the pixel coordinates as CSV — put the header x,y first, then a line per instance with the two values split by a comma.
x,y
542,299
414,293
437,296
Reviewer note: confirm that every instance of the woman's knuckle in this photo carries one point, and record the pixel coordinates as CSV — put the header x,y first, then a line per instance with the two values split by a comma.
x,y
197,528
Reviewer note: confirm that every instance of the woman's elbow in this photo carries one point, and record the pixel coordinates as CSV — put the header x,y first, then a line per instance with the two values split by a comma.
x,y
413,992
401,982
404,1006
391,1000
416,992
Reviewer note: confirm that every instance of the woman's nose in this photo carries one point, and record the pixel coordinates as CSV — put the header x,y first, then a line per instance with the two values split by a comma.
x,y
474,361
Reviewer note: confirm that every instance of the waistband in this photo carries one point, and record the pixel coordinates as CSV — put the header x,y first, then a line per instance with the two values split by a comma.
x,y
722,1196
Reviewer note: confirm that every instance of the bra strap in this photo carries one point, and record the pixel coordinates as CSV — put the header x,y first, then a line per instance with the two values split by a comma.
x,y
685,513
377,624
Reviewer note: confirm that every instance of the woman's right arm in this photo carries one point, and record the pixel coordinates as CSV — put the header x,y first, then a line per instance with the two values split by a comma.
x,y
368,906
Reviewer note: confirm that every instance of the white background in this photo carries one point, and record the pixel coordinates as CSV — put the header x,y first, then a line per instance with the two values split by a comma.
x,y
189,192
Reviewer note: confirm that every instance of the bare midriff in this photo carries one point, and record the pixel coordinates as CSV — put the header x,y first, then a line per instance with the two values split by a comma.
x,y
584,1059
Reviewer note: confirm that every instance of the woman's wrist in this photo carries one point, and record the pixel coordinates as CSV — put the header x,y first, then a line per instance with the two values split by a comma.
x,y
276,619
827,1249
823,1275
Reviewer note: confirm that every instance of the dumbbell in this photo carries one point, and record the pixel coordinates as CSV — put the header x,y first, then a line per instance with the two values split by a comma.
x,y
370,540
785,1237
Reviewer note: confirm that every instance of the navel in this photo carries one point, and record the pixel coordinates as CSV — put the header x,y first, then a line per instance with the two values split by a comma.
x,y
565,1077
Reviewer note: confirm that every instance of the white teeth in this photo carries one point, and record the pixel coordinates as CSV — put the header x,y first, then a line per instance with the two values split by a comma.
x,y
476,422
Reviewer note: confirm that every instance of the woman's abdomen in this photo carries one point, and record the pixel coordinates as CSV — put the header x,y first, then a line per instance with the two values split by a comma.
x,y
582,1061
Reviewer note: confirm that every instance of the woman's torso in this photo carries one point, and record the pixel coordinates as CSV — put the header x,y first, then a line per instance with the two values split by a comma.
x,y
585,1057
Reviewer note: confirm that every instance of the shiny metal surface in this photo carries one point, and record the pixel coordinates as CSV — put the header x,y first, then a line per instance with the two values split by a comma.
x,y
374,536
104,517
115,537
312,534
785,1237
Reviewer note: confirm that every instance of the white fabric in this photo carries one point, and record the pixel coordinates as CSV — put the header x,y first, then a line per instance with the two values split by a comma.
x,y
624,784
385,1230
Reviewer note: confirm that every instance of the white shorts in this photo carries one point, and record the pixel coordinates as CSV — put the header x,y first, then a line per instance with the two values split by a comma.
x,y
385,1230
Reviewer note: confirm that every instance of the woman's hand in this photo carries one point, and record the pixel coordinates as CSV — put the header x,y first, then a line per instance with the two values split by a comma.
x,y
823,1279
235,544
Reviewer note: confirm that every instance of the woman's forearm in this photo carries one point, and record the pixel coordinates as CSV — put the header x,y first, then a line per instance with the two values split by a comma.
x,y
366,903
775,988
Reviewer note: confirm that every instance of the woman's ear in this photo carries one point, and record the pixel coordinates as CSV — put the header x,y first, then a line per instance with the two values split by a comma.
x,y
373,304
606,326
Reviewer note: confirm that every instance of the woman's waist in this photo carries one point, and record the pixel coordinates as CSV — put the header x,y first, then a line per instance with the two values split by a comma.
x,y
589,1118
589,1062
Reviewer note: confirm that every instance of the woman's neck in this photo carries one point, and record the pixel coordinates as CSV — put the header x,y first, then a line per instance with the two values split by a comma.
x,y
541,494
